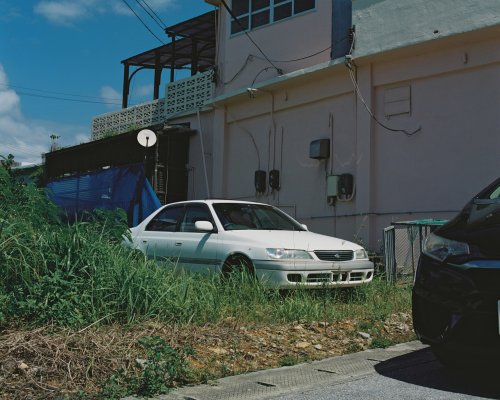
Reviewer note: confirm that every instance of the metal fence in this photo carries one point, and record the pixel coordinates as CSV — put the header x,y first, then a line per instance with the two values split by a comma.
x,y
403,243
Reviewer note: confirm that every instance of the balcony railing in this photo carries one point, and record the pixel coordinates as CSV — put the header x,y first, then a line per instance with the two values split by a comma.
x,y
189,93
181,96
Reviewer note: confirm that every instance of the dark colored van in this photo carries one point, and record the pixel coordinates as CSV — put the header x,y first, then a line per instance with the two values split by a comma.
x,y
456,295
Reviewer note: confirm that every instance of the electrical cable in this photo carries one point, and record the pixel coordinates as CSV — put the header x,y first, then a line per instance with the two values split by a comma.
x,y
151,15
143,23
236,123
356,86
203,153
24,147
249,58
154,13
61,93
260,72
279,70
66,99
349,62
15,149
296,59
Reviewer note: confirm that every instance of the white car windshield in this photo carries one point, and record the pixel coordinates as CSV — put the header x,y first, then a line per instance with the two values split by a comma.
x,y
240,216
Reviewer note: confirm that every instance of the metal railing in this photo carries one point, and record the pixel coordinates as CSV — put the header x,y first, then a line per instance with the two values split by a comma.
x,y
180,96
403,243
135,117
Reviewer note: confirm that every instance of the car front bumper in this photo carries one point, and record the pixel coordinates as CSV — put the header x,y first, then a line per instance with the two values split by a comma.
x,y
457,306
314,274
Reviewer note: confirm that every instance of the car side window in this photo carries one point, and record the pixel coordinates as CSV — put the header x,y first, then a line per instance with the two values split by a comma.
x,y
495,194
194,213
166,220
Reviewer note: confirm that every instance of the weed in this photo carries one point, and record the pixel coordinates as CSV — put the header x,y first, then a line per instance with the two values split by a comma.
x,y
354,347
381,342
164,368
289,360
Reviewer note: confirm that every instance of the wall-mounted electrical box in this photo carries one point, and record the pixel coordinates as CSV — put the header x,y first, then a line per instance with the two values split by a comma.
x,y
345,185
260,181
319,149
274,179
332,186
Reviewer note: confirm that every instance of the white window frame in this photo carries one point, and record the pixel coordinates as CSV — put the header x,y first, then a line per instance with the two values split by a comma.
x,y
270,8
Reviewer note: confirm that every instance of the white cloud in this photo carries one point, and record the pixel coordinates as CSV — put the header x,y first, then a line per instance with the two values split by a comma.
x,y
161,4
66,12
112,96
144,91
9,100
24,138
61,12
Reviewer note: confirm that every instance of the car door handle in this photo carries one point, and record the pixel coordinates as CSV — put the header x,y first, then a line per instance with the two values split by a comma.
x,y
144,241
178,243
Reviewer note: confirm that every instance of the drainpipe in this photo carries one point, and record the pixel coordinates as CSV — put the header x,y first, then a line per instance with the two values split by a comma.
x,y
341,26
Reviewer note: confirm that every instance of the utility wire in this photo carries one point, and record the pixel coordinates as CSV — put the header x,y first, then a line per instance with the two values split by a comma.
x,y
66,99
142,22
60,93
14,149
157,16
296,59
351,66
151,15
279,70
258,74
248,59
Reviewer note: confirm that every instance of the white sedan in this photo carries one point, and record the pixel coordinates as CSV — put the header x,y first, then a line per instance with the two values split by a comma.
x,y
220,236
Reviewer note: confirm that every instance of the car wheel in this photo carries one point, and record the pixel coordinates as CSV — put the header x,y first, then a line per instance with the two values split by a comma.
x,y
445,356
457,360
237,265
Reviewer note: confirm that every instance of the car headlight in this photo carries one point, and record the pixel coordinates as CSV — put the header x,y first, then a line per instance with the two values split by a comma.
x,y
361,254
287,254
441,248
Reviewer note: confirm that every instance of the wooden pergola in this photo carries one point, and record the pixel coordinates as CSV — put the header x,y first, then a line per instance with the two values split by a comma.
x,y
192,47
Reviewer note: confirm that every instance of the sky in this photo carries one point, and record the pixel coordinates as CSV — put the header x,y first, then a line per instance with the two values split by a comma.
x,y
60,65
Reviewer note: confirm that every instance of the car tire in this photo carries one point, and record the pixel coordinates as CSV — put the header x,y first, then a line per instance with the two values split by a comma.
x,y
445,356
237,264
456,360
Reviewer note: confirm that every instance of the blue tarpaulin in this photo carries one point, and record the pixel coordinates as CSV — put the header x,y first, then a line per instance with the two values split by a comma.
x,y
123,187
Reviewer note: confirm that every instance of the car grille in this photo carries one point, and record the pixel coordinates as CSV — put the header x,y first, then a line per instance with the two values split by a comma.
x,y
338,255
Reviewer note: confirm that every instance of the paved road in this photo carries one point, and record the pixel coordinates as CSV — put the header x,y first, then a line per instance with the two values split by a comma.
x,y
406,371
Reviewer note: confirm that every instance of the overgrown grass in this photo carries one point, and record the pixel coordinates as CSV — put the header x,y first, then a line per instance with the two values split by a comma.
x,y
79,274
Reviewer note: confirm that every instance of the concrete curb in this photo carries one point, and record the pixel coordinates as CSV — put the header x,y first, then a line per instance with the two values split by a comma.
x,y
270,383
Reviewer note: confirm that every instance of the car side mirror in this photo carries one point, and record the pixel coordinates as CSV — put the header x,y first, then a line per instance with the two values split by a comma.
x,y
204,226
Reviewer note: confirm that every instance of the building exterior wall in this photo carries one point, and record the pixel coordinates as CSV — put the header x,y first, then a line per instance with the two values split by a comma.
x,y
201,161
445,85
293,38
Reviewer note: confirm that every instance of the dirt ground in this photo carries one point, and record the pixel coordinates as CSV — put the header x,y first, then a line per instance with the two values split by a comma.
x,y
48,363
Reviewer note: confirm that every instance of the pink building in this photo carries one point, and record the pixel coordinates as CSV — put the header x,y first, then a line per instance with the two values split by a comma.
x,y
399,121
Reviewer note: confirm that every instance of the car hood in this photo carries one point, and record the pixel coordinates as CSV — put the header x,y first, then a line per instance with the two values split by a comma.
x,y
303,240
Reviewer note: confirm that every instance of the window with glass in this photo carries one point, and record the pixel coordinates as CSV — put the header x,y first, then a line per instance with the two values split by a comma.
x,y
195,213
251,14
166,220
239,216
